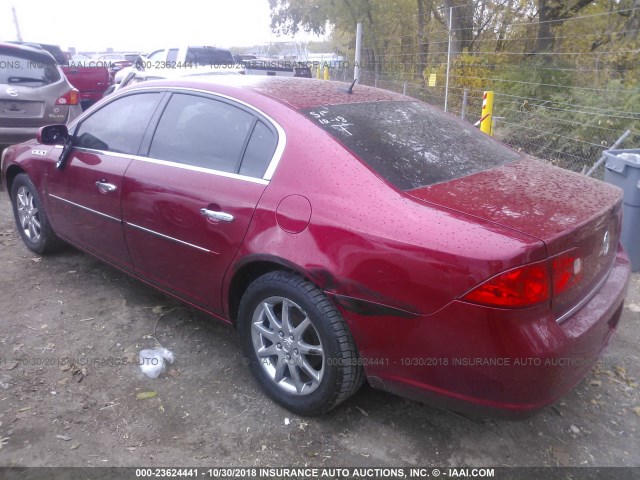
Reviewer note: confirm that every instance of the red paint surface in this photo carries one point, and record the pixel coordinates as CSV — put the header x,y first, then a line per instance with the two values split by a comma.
x,y
396,264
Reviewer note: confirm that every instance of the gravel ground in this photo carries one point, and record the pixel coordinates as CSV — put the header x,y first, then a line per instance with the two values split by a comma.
x,y
207,411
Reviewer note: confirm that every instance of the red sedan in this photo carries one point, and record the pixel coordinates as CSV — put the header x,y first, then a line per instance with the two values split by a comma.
x,y
348,234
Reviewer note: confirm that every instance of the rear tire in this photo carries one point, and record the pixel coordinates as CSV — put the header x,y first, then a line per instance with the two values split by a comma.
x,y
298,345
31,219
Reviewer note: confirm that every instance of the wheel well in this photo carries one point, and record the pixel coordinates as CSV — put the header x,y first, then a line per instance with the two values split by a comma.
x,y
244,277
12,172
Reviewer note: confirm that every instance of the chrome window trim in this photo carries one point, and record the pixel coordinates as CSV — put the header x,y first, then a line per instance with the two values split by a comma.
x,y
208,171
104,215
167,237
169,163
282,136
127,156
586,299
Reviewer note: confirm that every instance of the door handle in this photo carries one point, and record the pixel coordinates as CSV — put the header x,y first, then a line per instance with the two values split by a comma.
x,y
213,215
105,187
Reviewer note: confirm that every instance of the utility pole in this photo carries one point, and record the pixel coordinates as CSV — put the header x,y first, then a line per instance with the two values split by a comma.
x,y
15,21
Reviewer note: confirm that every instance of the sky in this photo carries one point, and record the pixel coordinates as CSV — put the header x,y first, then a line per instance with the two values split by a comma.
x,y
140,25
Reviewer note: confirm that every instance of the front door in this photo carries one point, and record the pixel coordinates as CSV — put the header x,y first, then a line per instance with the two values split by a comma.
x,y
85,198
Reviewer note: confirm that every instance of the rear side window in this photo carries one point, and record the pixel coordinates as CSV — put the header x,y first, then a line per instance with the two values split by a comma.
x,y
118,127
202,132
16,70
411,144
259,152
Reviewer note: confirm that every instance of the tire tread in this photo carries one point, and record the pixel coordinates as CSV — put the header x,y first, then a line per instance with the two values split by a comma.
x,y
351,375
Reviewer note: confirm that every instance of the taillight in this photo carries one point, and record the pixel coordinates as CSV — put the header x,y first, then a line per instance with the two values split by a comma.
x,y
566,270
72,97
531,284
521,287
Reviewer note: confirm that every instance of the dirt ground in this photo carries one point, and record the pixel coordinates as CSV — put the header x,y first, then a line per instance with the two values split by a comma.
x,y
207,411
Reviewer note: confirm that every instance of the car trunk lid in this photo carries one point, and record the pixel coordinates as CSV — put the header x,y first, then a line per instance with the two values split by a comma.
x,y
563,209
25,106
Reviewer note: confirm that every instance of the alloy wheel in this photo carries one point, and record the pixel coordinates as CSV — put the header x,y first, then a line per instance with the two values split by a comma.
x,y
28,215
288,345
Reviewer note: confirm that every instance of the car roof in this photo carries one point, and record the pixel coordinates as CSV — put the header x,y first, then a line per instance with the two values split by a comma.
x,y
33,52
298,93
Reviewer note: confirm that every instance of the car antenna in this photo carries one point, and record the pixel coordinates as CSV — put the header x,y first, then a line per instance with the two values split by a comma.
x,y
350,89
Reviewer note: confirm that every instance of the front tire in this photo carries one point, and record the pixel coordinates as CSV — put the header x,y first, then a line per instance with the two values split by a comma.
x,y
31,220
299,348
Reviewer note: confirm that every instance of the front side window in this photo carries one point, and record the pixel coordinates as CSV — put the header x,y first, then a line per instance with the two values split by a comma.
x,y
119,126
202,132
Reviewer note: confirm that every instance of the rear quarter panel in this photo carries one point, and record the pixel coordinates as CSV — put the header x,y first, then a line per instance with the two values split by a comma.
x,y
367,241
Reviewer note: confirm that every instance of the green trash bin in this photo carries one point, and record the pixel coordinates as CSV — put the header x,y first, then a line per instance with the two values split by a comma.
x,y
622,168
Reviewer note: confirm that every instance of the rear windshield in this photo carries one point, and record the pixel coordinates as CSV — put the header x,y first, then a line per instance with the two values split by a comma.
x,y
411,144
209,56
15,70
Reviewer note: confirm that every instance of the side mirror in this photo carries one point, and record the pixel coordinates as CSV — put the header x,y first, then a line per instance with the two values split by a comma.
x,y
53,135
57,135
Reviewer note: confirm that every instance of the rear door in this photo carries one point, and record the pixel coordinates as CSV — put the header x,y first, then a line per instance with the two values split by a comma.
x,y
187,204
85,197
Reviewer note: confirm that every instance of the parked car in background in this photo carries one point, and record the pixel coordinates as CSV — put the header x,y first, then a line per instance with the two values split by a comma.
x,y
56,52
192,56
33,92
274,67
116,62
135,76
91,79
194,59
348,233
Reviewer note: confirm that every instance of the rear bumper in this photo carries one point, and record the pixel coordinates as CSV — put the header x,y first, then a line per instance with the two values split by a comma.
x,y
15,135
502,363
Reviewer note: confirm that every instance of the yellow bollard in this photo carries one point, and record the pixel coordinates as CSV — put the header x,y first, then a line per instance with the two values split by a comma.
x,y
486,125
326,72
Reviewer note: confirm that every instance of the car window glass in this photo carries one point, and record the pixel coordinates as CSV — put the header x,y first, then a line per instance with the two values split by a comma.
x,y
411,144
207,56
17,70
173,55
259,151
118,127
201,132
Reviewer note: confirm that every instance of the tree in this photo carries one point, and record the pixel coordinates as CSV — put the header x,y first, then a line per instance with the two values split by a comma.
x,y
551,13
